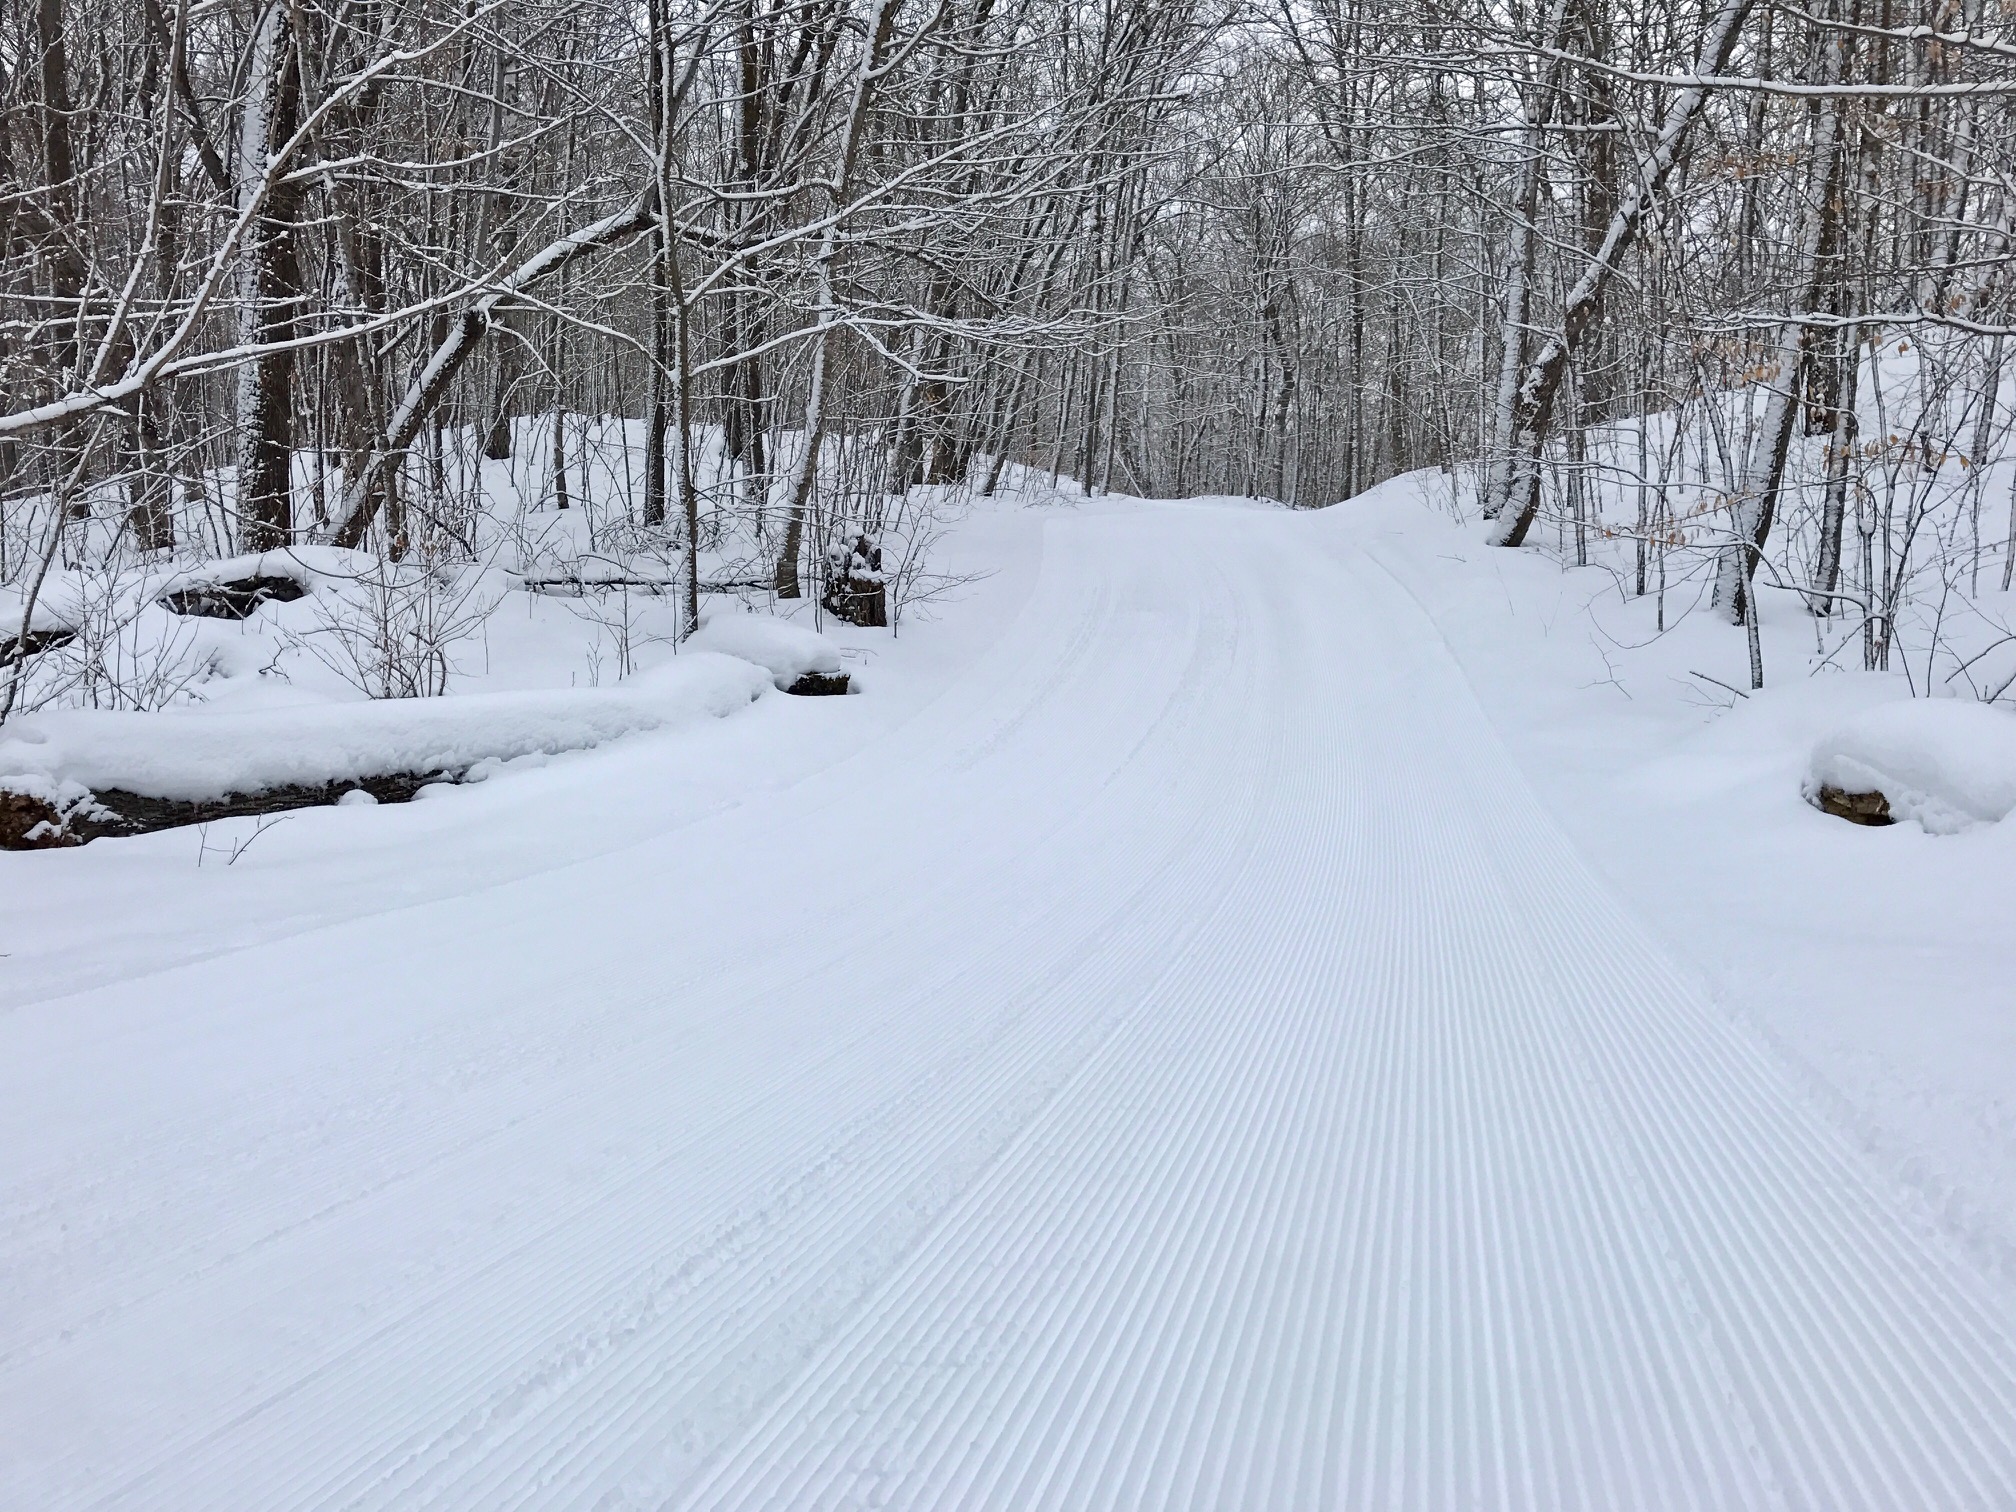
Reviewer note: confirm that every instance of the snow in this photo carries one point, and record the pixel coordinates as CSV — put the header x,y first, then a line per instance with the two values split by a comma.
x,y
1875,962
46,613
311,566
1947,763
788,651
309,691
202,753
1250,1010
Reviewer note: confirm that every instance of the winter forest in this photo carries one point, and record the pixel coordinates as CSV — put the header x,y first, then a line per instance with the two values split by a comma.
x,y
1726,284
1008,754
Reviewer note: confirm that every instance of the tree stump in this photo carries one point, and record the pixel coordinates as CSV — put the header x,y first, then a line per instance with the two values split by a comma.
x,y
855,590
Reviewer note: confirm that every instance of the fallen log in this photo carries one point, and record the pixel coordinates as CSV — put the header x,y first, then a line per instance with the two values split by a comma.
x,y
31,822
575,585
232,599
16,648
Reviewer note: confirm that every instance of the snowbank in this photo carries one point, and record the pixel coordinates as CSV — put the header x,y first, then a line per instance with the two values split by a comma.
x,y
197,754
787,651
1945,762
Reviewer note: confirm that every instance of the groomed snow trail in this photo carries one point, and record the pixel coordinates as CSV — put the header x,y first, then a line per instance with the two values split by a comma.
x,y
1182,1067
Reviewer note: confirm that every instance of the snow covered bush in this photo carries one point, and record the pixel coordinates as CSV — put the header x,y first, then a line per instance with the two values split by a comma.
x,y
121,649
389,631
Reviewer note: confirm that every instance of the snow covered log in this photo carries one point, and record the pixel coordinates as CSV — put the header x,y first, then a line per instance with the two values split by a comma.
x,y
799,661
234,587
1948,763
77,774
234,599
15,647
30,821
29,629
580,585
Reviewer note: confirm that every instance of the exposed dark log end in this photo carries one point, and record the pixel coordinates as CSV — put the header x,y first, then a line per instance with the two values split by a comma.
x,y
236,599
1857,808
819,684
28,823
15,647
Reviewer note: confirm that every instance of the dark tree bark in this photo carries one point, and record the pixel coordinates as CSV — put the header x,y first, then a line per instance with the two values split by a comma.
x,y
270,289
1540,385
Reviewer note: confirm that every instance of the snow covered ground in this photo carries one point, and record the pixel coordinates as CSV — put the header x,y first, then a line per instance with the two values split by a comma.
x,y
1880,963
1247,1010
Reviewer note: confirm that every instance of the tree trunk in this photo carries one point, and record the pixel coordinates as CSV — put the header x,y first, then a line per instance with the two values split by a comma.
x,y
270,290
785,577
1757,504
1521,269
1840,462
1540,384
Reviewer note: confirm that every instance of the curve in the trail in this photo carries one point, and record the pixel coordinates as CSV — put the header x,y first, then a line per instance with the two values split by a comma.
x,y
1215,1082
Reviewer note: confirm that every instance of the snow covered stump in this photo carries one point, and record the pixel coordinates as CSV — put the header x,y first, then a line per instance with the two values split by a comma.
x,y
856,591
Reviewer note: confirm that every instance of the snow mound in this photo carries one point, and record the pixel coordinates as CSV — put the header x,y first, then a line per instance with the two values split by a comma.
x,y
787,651
1946,762
44,618
198,754
311,566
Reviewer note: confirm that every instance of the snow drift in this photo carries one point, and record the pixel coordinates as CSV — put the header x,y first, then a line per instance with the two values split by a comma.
x,y
1947,763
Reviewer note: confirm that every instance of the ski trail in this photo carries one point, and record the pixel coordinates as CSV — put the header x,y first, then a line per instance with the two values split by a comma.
x,y
1427,1183
1213,1082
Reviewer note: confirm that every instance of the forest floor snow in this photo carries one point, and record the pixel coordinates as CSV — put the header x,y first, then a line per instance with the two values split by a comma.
x,y
541,677
1166,1044
1880,959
